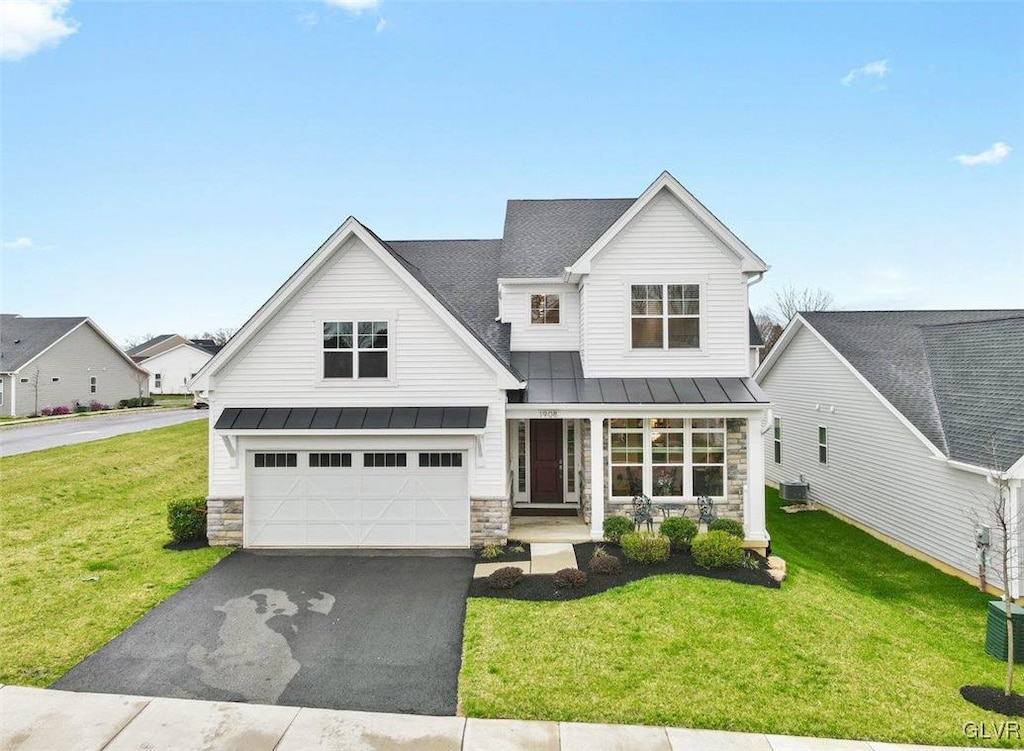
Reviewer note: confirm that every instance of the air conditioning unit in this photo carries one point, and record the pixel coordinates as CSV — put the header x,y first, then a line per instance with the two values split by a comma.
x,y
793,491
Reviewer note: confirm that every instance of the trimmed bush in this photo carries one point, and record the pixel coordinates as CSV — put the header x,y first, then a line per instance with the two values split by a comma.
x,y
58,410
186,519
505,578
731,526
645,548
717,549
144,401
605,564
490,551
95,406
570,577
81,407
680,531
615,527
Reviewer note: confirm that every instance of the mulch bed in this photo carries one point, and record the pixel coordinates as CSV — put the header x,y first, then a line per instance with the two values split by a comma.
x,y
541,587
994,700
507,554
199,542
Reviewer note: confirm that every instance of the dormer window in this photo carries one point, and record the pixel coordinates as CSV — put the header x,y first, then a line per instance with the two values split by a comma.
x,y
545,309
665,316
355,349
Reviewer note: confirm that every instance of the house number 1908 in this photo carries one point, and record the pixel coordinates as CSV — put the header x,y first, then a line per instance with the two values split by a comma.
x,y
549,413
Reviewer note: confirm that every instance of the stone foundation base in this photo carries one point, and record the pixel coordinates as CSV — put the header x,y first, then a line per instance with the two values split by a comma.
x,y
488,521
224,521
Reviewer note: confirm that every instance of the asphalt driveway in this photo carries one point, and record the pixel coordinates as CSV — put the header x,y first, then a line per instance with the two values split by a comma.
x,y
374,633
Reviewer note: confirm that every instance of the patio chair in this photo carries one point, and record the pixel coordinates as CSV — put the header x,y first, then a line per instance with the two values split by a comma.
x,y
705,512
642,512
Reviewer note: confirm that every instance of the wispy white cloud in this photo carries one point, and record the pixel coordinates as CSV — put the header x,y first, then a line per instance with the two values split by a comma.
x,y
309,20
381,23
877,69
21,243
27,26
994,155
355,6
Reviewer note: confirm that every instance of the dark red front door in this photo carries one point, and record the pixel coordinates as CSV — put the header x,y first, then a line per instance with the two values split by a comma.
x,y
546,461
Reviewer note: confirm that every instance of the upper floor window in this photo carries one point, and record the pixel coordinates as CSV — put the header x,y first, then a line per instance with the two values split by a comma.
x,y
665,316
355,349
545,309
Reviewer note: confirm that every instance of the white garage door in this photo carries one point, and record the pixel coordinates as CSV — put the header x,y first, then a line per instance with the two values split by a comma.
x,y
356,499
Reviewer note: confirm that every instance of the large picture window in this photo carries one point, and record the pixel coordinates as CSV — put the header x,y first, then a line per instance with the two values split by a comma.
x,y
665,316
355,349
667,457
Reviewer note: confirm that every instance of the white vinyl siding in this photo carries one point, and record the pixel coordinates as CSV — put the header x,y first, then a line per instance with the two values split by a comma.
x,y
665,243
528,336
280,366
176,368
878,473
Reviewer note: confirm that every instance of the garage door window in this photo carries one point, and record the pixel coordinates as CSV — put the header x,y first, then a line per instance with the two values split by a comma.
x,y
441,459
385,459
275,460
330,459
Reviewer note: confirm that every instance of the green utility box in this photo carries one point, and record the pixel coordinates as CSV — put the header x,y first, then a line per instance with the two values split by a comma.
x,y
995,634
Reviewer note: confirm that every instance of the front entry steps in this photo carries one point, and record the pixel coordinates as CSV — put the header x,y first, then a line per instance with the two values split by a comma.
x,y
545,558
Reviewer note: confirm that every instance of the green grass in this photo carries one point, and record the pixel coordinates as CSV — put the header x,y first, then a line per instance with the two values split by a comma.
x,y
81,534
860,642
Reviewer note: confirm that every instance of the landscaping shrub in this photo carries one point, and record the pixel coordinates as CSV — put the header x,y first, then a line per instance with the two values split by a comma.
x,y
58,410
615,527
144,401
731,526
645,548
604,564
505,578
186,519
679,531
95,406
46,411
717,549
490,550
81,407
570,577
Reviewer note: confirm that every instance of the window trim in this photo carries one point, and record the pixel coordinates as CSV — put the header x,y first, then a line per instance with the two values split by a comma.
x,y
545,324
777,440
387,318
823,446
93,385
701,316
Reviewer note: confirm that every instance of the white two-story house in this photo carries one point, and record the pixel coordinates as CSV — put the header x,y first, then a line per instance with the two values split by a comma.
x,y
412,393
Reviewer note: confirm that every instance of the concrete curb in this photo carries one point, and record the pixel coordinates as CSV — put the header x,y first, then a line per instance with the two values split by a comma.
x,y
36,718
25,421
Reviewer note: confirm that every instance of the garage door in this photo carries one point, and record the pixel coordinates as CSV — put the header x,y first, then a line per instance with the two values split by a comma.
x,y
356,499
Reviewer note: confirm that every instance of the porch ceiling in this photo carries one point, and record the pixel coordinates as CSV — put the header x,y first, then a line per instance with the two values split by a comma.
x,y
557,378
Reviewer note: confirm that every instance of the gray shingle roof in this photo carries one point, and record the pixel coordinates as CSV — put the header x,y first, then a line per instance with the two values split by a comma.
x,y
139,348
543,237
22,339
956,375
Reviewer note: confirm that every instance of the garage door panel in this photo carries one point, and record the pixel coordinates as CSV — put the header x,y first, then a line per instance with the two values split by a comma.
x,y
356,506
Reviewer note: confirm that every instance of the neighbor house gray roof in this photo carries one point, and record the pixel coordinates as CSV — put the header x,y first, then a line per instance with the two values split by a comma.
x,y
557,378
140,348
956,375
543,237
22,339
351,418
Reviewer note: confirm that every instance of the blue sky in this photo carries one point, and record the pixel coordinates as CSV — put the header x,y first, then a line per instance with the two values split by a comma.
x,y
166,166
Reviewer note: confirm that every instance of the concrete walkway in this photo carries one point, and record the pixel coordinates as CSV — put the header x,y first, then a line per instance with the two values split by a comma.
x,y
34,718
545,558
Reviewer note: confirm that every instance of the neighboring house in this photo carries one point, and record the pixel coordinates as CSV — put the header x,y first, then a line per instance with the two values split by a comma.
x,y
172,363
51,362
409,393
897,420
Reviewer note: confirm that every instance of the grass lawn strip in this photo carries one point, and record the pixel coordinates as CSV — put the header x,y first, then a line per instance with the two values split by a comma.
x,y
861,641
82,529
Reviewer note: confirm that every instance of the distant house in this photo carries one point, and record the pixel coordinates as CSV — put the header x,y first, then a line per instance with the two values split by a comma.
x,y
172,360
50,362
898,419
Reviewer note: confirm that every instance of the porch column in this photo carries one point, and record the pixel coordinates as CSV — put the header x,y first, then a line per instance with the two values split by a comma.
x,y
753,490
596,477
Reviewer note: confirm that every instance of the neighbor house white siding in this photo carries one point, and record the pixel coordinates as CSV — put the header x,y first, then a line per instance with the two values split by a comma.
x,y
878,474
527,336
430,366
176,368
665,244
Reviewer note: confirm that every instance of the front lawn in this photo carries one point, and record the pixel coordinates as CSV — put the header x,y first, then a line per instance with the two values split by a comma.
x,y
81,534
861,641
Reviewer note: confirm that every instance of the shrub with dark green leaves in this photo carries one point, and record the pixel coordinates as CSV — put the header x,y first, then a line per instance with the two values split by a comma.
x,y
505,578
645,548
717,549
731,526
605,564
680,531
186,519
567,578
144,401
615,527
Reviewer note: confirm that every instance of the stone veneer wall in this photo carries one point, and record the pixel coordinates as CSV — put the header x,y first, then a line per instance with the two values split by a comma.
x,y
224,521
488,521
